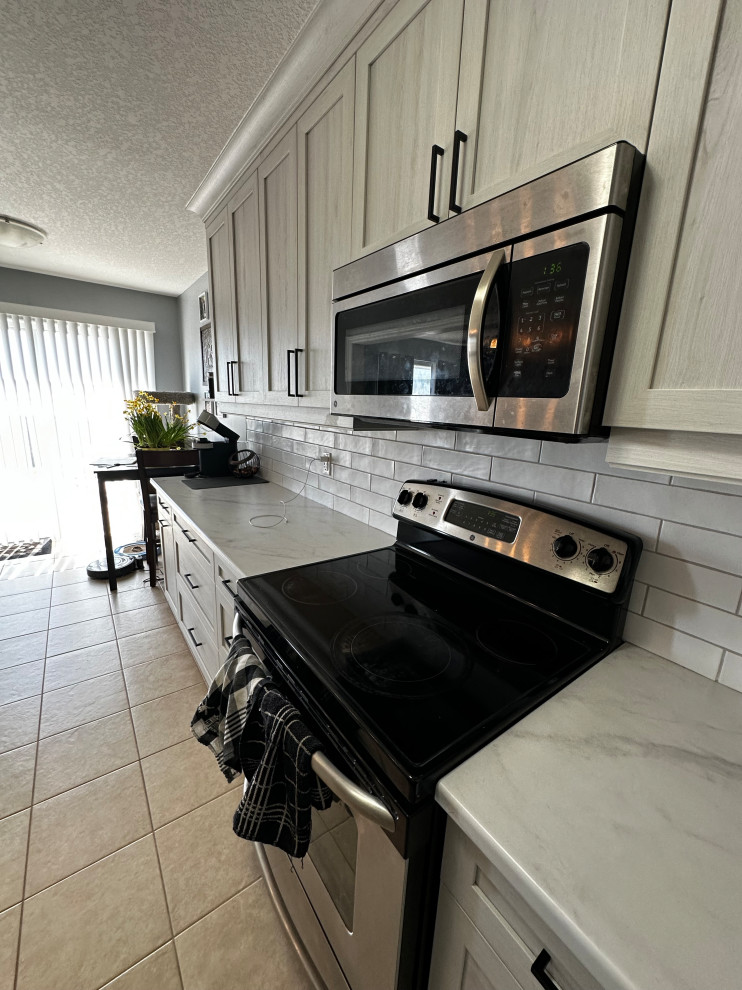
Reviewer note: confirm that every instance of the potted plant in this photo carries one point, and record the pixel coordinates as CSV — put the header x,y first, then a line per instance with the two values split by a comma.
x,y
160,437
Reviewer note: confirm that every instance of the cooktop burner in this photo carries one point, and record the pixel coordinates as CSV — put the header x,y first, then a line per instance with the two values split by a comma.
x,y
398,655
326,588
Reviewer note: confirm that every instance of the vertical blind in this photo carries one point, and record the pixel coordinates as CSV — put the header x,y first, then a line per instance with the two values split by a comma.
x,y
62,387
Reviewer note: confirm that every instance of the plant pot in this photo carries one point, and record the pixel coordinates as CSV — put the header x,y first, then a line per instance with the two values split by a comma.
x,y
164,457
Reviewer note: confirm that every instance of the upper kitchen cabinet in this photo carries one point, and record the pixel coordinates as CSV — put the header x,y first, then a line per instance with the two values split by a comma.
x,y
222,314
325,162
278,272
678,363
247,374
542,84
405,109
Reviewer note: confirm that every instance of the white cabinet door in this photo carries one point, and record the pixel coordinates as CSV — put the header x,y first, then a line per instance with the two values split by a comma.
x,y
543,83
325,139
278,273
222,315
678,364
247,371
406,74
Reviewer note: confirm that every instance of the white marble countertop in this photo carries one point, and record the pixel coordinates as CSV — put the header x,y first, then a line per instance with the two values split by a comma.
x,y
313,531
615,810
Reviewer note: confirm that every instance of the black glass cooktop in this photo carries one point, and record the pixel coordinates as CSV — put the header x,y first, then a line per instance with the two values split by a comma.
x,y
427,662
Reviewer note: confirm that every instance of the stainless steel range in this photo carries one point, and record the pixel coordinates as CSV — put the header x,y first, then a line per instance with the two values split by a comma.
x,y
404,661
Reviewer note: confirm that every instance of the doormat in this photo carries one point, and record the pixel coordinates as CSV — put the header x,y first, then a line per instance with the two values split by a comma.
x,y
25,548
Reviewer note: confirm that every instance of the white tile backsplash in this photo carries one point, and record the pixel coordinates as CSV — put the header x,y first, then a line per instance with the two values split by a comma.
x,y
688,595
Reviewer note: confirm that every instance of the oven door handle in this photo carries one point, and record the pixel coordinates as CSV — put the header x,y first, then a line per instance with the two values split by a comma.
x,y
360,801
474,335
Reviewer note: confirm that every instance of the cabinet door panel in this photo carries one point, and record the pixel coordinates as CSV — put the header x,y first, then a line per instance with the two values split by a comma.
x,y
405,102
543,83
245,228
220,281
277,180
325,135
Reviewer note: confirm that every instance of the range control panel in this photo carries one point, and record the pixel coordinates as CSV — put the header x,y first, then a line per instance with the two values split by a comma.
x,y
533,536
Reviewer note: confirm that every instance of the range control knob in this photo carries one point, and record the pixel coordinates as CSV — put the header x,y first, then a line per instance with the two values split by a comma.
x,y
601,560
404,497
565,547
420,500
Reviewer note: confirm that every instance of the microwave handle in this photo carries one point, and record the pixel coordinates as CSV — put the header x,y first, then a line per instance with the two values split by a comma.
x,y
474,336
343,788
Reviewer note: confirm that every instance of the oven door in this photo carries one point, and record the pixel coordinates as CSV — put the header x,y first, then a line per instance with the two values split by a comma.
x,y
424,349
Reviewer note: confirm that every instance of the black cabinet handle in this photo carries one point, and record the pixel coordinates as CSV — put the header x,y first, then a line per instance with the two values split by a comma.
x,y
226,582
229,381
190,583
459,138
235,390
191,539
538,969
228,640
162,523
289,352
297,352
436,153
195,642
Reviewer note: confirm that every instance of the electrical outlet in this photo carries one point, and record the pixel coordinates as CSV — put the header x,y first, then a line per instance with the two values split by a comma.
x,y
326,463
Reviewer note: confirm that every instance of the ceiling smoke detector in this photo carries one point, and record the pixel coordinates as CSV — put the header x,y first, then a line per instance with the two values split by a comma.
x,y
18,233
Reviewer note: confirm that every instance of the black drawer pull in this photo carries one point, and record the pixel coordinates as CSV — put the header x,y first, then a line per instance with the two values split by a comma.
x,y
226,582
191,539
228,640
190,584
459,138
538,969
436,153
190,633
163,524
297,352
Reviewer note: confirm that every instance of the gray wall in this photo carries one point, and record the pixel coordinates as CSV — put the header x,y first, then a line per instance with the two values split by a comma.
x,y
33,289
191,337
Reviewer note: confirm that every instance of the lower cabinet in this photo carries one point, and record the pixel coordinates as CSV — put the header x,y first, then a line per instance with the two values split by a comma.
x,y
194,626
487,938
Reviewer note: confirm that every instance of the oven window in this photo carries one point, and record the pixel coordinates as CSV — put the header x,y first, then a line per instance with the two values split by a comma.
x,y
333,852
414,343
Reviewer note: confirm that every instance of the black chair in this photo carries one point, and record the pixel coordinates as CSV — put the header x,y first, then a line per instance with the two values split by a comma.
x,y
158,464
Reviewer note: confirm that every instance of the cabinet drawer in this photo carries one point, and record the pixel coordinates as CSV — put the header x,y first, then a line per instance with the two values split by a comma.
x,y
226,577
196,575
462,959
184,528
513,930
196,633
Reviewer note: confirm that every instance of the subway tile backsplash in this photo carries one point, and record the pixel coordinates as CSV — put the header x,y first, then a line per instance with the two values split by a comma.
x,y
687,601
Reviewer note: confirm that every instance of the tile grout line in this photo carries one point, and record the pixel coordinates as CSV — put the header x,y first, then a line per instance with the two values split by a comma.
x,y
30,813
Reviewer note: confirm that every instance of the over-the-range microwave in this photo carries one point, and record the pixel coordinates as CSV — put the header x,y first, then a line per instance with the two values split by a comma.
x,y
502,318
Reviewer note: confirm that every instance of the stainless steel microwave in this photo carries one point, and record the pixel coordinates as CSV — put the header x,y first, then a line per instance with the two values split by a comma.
x,y
502,318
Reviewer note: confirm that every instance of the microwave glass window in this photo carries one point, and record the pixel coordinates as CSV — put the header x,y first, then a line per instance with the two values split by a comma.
x,y
545,302
415,343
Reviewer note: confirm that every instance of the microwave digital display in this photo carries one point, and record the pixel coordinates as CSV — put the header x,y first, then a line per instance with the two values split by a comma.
x,y
484,520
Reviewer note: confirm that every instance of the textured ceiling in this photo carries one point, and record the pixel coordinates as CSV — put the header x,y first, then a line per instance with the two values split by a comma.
x,y
111,113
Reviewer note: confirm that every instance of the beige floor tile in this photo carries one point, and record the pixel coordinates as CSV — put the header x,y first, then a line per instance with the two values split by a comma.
x,y
19,723
79,592
182,778
16,773
13,839
25,649
203,862
73,612
166,721
95,924
84,702
21,585
150,645
81,634
81,665
125,601
70,575
81,826
83,753
160,677
157,972
10,923
14,604
27,567
23,681
71,561
24,623
142,620
210,955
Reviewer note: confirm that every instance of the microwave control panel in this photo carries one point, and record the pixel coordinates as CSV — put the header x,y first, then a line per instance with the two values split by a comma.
x,y
545,301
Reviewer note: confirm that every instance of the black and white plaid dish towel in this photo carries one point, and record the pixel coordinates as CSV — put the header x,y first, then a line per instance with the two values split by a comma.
x,y
221,716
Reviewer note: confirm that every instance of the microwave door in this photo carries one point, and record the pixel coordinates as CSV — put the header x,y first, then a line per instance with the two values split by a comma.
x,y
417,350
